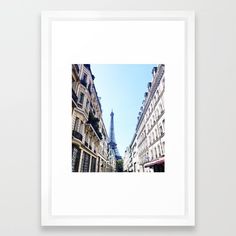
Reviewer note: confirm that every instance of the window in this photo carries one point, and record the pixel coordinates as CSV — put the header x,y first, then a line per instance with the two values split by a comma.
x,y
81,127
163,124
159,150
77,124
163,82
163,148
84,80
156,133
75,158
93,164
74,155
155,152
163,107
151,157
160,108
87,104
85,163
81,98
78,129
86,141
74,85
161,130
90,143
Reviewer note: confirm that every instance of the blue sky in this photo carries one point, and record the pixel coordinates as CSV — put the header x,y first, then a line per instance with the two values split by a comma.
x,y
122,88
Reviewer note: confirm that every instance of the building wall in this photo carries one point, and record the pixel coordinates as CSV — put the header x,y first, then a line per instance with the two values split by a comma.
x,y
89,135
148,144
126,159
155,118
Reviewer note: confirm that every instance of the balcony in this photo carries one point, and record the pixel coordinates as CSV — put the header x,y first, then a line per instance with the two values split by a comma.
x,y
94,122
79,105
77,135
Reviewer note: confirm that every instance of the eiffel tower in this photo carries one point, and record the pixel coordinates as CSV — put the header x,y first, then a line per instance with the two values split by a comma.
x,y
112,142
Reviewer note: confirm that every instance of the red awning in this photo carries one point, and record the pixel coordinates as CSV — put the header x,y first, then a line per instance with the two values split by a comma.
x,y
155,162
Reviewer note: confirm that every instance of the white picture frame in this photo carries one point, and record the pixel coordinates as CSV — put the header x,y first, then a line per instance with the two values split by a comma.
x,y
50,24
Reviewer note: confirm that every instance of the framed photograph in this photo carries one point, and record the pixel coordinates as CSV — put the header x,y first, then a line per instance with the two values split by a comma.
x,y
118,118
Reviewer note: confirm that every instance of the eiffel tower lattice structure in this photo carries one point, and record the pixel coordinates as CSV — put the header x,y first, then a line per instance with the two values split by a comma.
x,y
112,142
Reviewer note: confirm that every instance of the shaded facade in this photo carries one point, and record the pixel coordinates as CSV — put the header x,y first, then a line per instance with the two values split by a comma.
x,y
89,136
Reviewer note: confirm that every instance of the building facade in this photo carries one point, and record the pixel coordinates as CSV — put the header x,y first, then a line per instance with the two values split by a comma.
x,y
126,159
89,136
147,149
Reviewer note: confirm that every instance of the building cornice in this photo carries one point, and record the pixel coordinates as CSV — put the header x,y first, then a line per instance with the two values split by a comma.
x,y
156,83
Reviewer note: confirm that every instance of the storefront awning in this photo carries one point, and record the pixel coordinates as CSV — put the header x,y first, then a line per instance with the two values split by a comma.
x,y
155,162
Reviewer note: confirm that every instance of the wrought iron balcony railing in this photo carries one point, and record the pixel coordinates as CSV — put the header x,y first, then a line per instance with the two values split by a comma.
x,y
77,135
79,105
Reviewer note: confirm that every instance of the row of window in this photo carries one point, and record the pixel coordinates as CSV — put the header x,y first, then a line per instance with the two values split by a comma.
x,y
153,115
150,124
155,99
82,163
157,133
81,100
79,126
157,152
85,79
159,110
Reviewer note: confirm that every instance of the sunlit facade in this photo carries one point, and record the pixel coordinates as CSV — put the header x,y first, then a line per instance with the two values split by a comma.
x,y
147,149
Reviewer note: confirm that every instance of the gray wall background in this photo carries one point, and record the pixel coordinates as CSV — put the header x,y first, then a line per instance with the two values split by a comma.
x,y
20,116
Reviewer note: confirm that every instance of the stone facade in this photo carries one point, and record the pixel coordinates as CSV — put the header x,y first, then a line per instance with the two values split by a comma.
x,y
147,149
89,136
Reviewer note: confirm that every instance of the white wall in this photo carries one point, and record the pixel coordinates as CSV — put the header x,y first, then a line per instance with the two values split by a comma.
x,y
20,116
